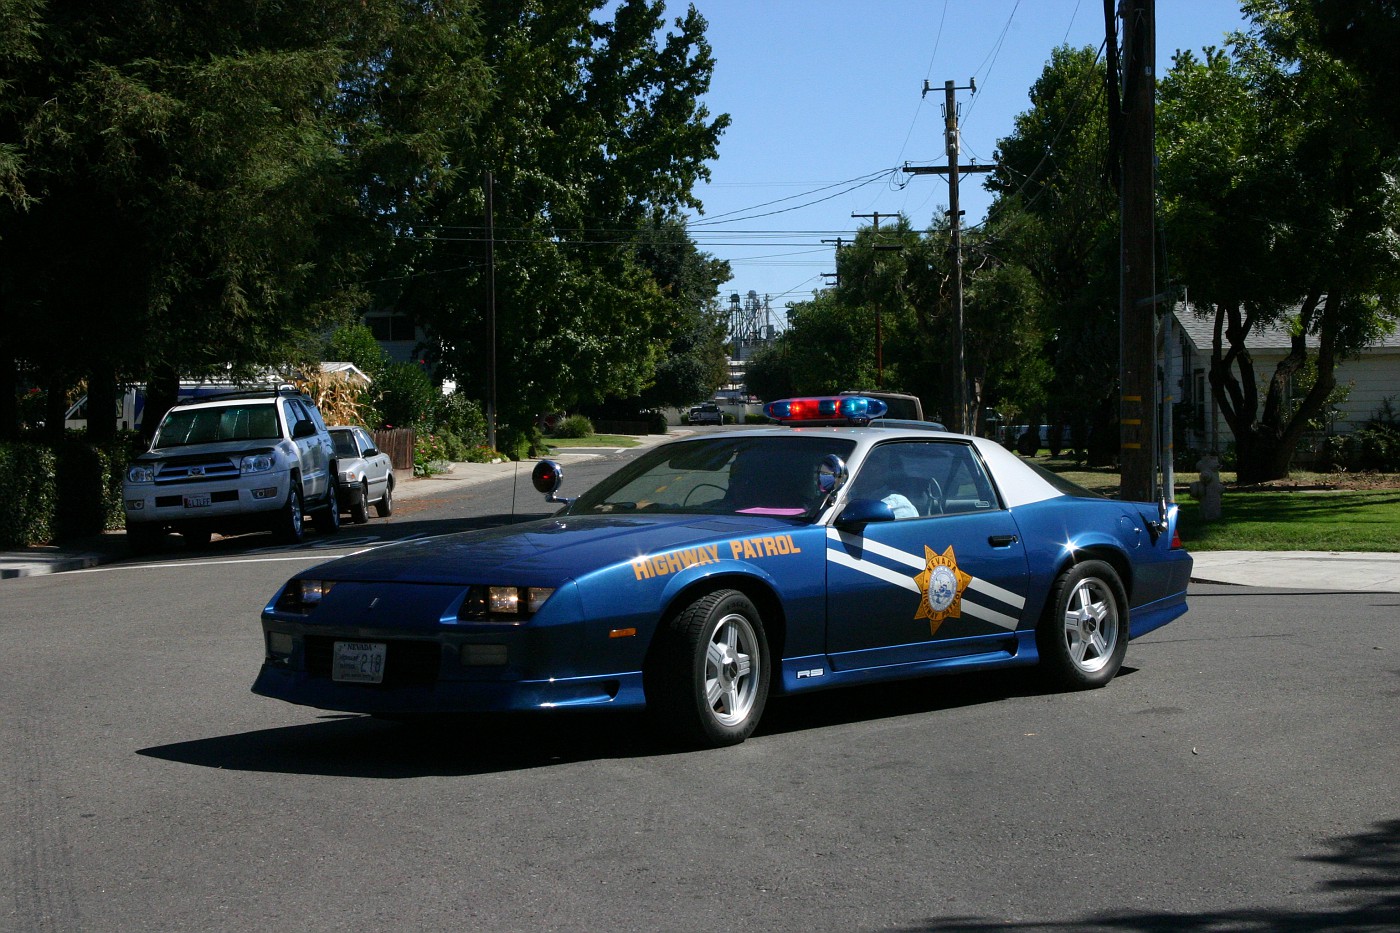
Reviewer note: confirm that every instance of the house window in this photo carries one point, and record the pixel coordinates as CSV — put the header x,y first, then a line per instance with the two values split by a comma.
x,y
390,327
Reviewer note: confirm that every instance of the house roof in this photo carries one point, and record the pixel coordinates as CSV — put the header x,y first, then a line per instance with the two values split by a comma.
x,y
1198,323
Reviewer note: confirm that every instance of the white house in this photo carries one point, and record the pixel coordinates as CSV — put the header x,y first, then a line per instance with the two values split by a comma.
x,y
1371,377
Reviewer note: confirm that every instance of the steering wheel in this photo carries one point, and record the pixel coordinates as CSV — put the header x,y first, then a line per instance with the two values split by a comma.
x,y
700,486
935,497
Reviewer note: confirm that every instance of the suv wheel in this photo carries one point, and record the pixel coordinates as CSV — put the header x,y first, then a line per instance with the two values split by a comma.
x,y
290,527
328,517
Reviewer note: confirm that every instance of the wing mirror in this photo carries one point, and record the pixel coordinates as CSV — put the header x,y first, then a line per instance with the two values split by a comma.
x,y
861,512
547,477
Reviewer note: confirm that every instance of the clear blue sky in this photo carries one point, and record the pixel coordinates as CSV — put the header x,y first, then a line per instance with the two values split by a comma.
x,y
822,92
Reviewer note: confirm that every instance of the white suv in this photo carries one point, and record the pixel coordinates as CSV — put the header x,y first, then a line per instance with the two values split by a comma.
x,y
238,462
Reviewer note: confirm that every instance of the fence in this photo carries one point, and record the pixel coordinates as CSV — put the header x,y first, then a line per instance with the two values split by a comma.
x,y
398,444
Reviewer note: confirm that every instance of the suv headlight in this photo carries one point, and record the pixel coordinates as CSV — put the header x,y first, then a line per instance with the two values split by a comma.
x,y
257,463
138,473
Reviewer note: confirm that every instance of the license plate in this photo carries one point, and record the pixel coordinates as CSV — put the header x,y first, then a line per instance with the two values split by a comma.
x,y
359,662
197,502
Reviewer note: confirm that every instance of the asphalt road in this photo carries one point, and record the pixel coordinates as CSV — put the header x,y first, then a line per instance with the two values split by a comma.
x,y
1242,773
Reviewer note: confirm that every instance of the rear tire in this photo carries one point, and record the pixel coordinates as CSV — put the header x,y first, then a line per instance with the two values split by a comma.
x,y
328,517
708,676
1083,635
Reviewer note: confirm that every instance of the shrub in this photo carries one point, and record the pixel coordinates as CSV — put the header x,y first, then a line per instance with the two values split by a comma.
x,y
461,416
574,426
405,395
429,454
29,474
656,421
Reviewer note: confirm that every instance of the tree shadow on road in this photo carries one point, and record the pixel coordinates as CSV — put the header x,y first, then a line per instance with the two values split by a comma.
x,y
1366,893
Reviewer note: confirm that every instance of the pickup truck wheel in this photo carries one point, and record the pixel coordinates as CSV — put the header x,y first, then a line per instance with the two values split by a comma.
x,y
290,526
328,518
359,509
385,506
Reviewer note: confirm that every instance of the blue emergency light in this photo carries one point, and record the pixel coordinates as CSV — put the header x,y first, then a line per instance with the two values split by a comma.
x,y
852,409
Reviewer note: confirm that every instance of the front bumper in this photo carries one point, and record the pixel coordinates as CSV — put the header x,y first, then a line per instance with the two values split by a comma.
x,y
254,494
440,695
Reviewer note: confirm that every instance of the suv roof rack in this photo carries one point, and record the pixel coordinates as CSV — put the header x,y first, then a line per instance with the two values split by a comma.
x,y
282,391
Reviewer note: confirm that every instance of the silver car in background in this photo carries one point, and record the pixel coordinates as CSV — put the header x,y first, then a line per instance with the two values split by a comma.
x,y
366,475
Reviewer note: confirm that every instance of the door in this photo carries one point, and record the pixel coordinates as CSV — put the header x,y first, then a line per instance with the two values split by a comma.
x,y
311,451
946,578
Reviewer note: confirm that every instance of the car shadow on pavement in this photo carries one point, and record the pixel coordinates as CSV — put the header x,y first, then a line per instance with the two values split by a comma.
x,y
354,745
351,745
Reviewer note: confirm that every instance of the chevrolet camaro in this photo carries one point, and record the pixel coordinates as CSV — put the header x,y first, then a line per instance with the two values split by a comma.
x,y
714,571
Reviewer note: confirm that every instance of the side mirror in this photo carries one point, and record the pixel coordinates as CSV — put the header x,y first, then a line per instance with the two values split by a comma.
x,y
831,474
303,429
546,477
370,452
861,512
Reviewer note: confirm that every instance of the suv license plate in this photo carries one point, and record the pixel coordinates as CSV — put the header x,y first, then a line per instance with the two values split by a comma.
x,y
360,662
197,502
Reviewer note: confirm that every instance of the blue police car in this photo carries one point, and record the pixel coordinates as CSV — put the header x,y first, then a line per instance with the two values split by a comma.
x,y
714,571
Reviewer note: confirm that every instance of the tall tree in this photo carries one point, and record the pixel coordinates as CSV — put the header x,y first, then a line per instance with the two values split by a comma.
x,y
1055,215
594,132
1272,149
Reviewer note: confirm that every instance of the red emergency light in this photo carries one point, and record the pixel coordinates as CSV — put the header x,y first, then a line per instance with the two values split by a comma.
x,y
852,409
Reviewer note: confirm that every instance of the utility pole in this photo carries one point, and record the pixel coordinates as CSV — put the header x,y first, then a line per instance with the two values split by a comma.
x,y
840,242
954,171
879,323
491,315
1138,297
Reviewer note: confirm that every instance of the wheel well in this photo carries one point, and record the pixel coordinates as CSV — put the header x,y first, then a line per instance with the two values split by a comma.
x,y
1114,558
770,609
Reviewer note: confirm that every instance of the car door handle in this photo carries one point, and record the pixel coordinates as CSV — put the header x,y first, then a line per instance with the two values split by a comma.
x,y
1002,540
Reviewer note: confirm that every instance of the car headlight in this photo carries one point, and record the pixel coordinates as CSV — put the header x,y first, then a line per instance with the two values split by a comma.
x,y
137,473
301,596
509,604
351,476
257,463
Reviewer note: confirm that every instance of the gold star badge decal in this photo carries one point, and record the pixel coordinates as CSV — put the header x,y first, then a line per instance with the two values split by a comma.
x,y
941,587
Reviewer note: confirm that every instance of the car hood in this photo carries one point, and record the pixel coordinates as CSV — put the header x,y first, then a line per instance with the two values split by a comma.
x,y
216,448
539,553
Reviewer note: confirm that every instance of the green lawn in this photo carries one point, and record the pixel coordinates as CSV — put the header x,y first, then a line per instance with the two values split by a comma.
x,y
1296,520
1307,518
597,440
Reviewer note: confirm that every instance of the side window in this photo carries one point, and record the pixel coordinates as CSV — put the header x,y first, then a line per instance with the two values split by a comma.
x,y
919,479
296,414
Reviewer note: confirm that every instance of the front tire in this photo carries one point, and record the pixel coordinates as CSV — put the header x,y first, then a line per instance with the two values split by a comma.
x,y
291,522
709,675
359,510
1083,636
385,506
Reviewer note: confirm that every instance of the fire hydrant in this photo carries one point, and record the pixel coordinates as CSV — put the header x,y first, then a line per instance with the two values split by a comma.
x,y
1208,488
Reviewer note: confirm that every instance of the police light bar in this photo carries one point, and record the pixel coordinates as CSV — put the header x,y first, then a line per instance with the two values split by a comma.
x,y
853,409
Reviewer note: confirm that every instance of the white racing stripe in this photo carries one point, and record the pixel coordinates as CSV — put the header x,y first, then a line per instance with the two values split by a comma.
x,y
836,555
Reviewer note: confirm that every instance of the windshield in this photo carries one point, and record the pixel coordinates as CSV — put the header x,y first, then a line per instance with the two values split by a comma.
x,y
225,423
720,476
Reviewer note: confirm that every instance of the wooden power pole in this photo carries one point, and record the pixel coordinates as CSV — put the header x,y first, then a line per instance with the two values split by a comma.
x,y
1138,297
953,170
